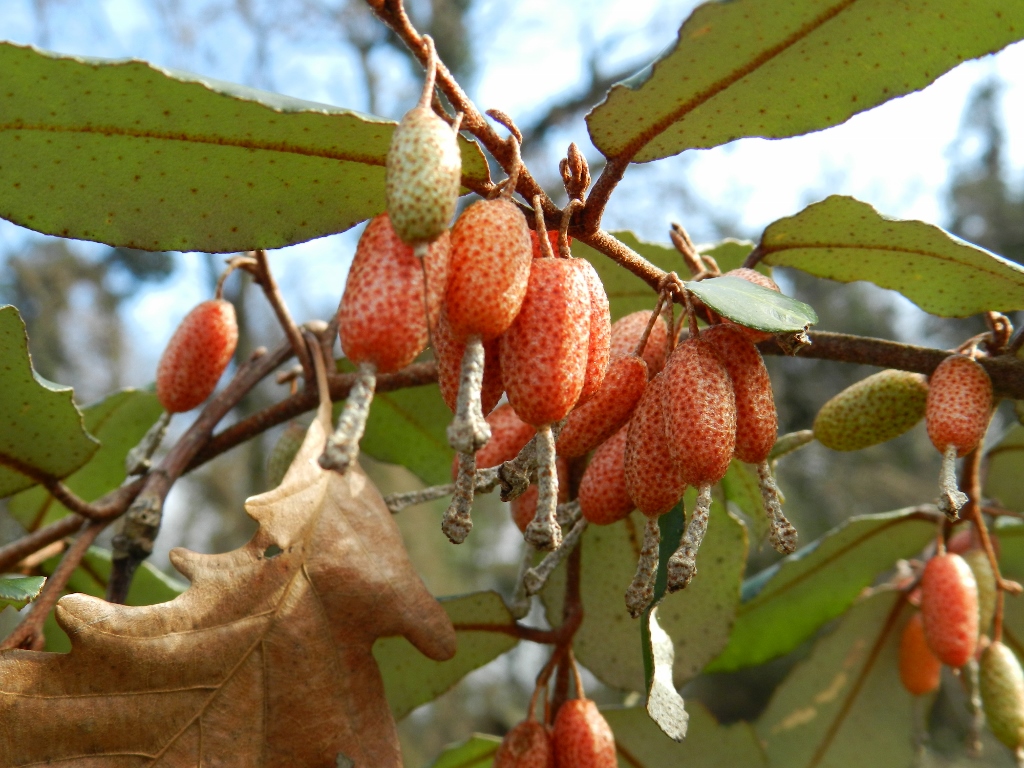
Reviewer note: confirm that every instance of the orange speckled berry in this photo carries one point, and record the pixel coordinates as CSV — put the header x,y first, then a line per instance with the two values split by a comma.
x,y
528,745
603,496
700,413
757,424
384,311
524,506
599,344
959,404
196,356
949,608
919,669
591,423
489,269
652,480
626,333
552,238
582,737
544,352
509,434
448,354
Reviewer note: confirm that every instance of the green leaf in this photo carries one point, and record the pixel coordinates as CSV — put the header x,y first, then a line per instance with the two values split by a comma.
x,y
697,618
119,421
845,704
750,68
787,603
149,586
19,591
664,704
411,679
844,239
753,306
41,432
627,293
730,254
477,752
134,155
641,744
1005,467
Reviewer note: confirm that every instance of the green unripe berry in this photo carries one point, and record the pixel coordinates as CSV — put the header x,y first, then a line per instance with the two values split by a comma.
x,y
872,411
978,562
1002,694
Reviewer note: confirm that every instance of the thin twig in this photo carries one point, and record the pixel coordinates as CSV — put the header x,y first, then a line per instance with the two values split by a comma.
x,y
265,279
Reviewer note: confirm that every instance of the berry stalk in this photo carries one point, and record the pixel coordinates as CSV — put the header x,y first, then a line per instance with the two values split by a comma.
x,y
342,447
682,566
469,432
544,532
457,522
640,591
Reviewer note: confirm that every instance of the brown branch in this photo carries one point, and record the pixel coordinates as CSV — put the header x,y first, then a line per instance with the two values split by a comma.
x,y
523,632
18,550
28,634
265,279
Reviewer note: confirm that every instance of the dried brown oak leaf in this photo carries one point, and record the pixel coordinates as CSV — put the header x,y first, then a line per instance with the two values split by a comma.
x,y
264,661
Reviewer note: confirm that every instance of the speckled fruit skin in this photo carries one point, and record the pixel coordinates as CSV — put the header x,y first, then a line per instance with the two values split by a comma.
x,y
599,344
489,269
196,356
755,277
977,561
448,354
757,423
626,333
509,434
959,404
602,495
1002,694
582,737
524,506
544,351
919,669
872,411
652,480
552,238
591,423
384,311
422,176
528,745
700,413
949,608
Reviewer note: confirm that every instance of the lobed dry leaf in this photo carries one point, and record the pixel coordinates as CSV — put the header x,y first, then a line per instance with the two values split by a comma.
x,y
264,661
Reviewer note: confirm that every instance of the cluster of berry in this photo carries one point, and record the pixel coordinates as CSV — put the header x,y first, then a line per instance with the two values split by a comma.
x,y
579,738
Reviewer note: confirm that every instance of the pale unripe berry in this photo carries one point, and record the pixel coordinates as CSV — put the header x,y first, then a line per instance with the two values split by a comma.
x,y
582,737
544,351
980,566
591,423
599,343
959,404
872,411
196,356
284,452
949,609
919,668
448,355
385,314
627,332
423,174
603,496
757,424
523,507
1002,694
652,480
489,269
509,434
700,413
528,745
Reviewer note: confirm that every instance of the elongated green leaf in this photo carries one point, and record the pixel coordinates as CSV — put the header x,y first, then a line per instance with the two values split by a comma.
x,y
119,421
844,239
1005,468
760,68
753,306
641,744
150,585
664,704
845,705
785,604
697,618
411,679
477,752
730,254
130,154
41,432
626,292
19,591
